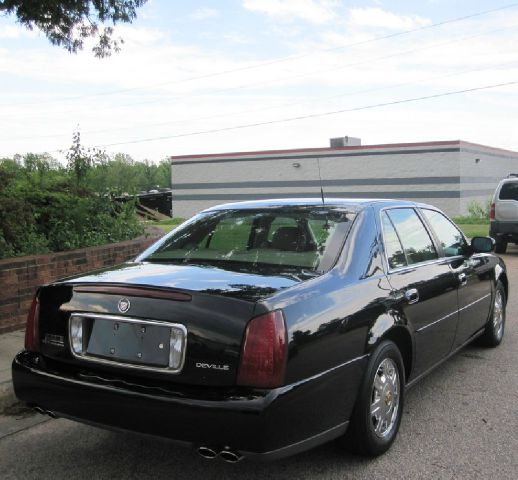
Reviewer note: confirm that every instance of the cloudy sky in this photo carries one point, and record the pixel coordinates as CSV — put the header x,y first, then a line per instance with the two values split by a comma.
x,y
211,76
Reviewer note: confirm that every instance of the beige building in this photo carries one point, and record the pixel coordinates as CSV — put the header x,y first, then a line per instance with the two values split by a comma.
x,y
448,174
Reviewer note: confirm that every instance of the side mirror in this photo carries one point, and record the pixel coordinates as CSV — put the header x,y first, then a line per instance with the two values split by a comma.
x,y
482,244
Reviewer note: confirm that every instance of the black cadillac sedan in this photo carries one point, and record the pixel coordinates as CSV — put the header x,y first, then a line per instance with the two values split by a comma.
x,y
261,329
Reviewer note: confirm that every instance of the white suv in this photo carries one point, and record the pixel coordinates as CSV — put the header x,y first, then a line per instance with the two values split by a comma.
x,y
504,213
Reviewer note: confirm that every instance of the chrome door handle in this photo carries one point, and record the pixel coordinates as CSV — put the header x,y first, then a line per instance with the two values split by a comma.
x,y
463,279
412,296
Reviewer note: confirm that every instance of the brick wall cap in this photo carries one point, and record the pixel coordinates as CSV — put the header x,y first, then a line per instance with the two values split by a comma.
x,y
30,260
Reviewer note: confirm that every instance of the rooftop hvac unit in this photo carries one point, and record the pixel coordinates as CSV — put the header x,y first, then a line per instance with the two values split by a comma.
x,y
345,142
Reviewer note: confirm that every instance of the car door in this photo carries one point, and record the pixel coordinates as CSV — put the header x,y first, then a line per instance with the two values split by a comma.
x,y
424,287
472,271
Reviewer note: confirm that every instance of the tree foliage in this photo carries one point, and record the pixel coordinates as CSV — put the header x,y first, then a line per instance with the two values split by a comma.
x,y
48,206
121,174
68,23
45,206
81,159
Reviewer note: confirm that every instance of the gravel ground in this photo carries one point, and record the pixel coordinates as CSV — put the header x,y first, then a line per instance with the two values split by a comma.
x,y
459,422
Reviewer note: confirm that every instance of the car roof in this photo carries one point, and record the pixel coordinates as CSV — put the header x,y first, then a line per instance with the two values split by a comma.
x,y
508,180
353,204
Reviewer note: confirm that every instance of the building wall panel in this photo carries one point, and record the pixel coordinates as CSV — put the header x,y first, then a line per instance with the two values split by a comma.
x,y
447,174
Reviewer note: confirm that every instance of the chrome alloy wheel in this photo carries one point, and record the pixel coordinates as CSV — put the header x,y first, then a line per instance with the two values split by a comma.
x,y
385,398
498,314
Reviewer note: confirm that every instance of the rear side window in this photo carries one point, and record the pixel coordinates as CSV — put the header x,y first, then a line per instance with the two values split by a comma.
x,y
451,239
393,248
416,241
509,191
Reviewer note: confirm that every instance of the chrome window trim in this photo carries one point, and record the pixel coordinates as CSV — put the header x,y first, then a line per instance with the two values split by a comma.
x,y
453,313
439,261
140,321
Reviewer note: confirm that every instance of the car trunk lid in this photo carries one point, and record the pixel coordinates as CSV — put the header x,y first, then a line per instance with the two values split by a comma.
x,y
135,308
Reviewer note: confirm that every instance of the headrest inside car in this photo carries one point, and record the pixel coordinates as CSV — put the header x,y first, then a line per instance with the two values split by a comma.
x,y
287,238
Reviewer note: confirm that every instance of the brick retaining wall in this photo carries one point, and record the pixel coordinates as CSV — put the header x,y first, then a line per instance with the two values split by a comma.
x,y
21,276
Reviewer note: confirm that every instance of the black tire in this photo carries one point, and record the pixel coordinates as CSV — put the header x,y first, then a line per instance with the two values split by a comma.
x,y
495,327
500,244
361,436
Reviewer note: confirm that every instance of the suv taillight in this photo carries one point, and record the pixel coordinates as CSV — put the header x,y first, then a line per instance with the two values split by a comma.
x,y
31,328
492,214
263,356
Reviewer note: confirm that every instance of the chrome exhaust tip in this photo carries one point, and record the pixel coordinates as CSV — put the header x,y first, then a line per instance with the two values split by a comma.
x,y
230,456
43,411
207,452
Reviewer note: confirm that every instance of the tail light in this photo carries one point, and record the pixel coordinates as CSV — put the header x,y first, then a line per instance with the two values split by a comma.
x,y
263,356
31,328
492,214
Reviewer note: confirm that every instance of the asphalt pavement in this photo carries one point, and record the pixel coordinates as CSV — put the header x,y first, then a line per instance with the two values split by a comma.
x,y
10,344
460,422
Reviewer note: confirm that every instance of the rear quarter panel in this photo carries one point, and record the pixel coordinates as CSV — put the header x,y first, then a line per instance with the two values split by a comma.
x,y
334,321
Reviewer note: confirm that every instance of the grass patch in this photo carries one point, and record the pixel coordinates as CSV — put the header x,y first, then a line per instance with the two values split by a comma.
x,y
473,225
167,225
469,220
474,230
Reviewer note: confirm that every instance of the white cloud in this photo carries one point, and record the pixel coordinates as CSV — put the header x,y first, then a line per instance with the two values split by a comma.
x,y
15,31
379,18
313,11
158,99
237,38
137,35
204,13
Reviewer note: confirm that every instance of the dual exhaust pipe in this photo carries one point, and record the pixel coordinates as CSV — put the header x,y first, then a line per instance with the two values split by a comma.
x,y
44,411
208,453
227,455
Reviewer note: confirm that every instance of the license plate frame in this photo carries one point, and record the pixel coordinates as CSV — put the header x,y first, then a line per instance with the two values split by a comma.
x,y
100,333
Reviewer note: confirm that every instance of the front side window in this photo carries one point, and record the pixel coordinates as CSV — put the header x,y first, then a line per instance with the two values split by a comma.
x,y
282,239
416,241
452,241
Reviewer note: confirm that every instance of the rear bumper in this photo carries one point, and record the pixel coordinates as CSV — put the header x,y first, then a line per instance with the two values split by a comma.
x,y
498,228
263,424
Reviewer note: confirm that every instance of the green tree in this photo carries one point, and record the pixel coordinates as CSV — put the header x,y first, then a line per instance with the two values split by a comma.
x,y
122,174
44,208
18,231
164,173
67,23
81,160
117,175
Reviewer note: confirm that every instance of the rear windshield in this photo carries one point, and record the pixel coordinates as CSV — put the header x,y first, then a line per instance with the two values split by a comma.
x,y
297,239
509,191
